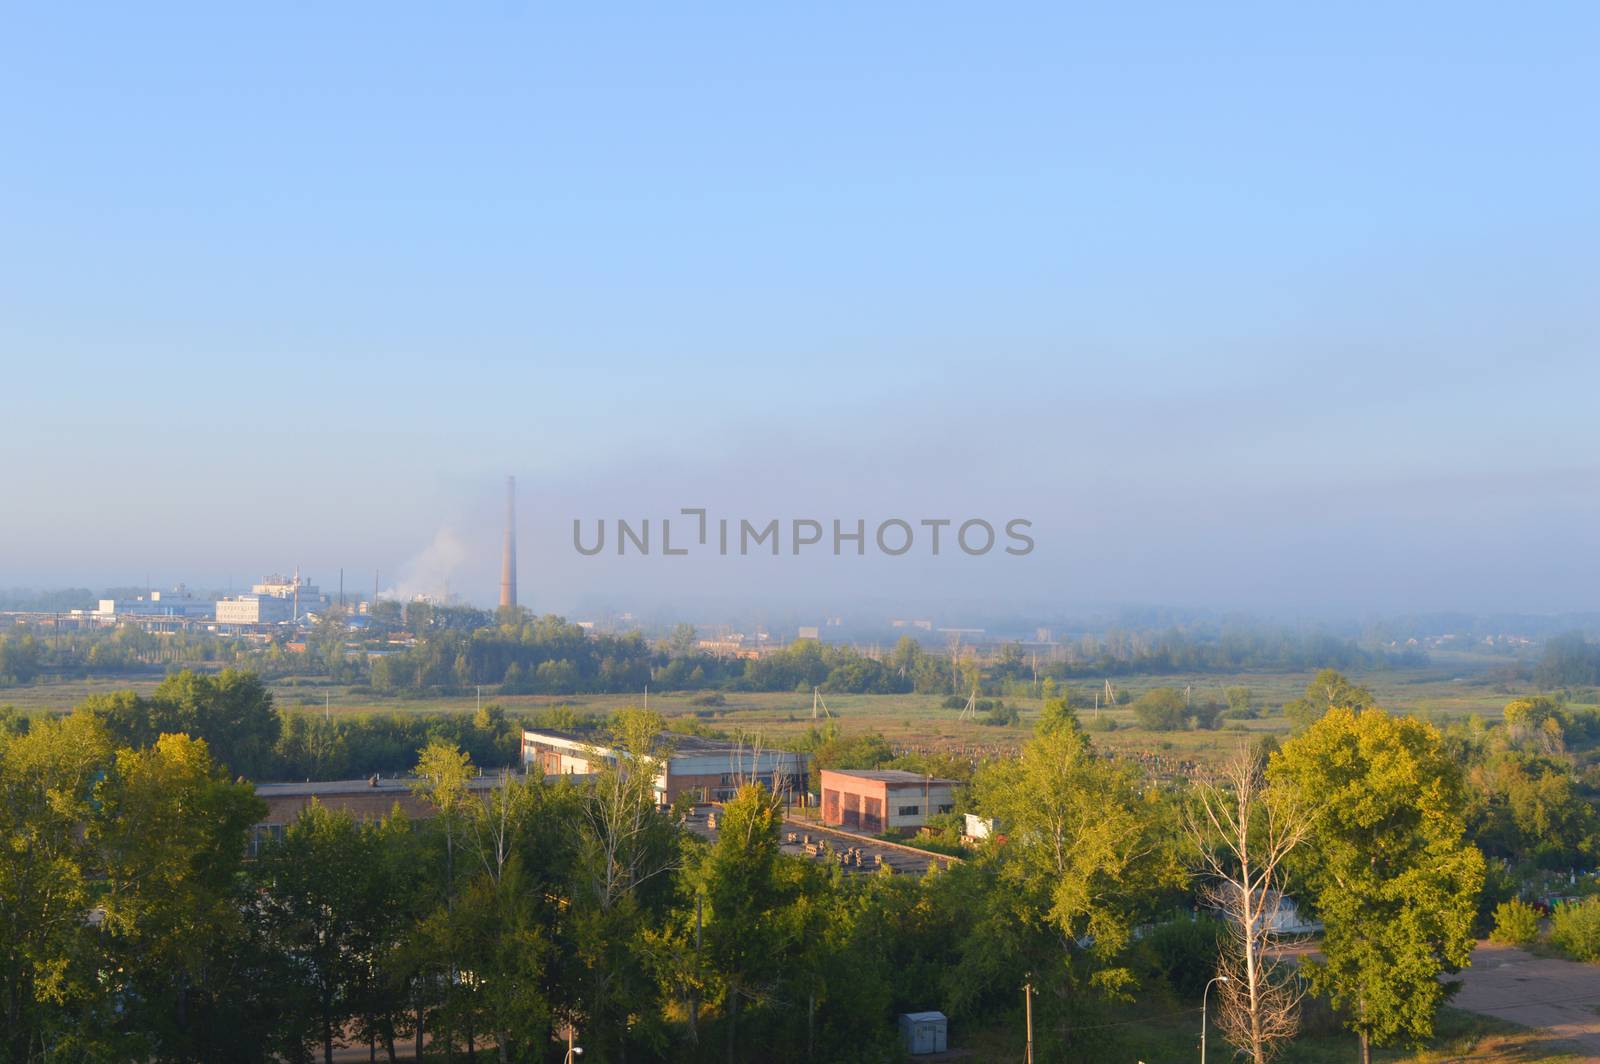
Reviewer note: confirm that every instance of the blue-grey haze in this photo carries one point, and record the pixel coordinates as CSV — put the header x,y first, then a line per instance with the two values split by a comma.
x,y
1280,308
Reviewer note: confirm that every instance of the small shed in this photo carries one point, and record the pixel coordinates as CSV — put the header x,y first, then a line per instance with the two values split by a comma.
x,y
923,1032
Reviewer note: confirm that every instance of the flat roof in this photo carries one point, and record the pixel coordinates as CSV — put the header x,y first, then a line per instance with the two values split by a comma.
x,y
390,785
679,742
887,775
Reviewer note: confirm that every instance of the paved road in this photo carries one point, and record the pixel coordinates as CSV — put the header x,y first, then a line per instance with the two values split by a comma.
x,y
1554,995
900,858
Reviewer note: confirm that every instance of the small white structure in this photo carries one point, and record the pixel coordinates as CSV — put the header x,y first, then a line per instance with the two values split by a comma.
x,y
923,1032
1277,913
980,827
1284,917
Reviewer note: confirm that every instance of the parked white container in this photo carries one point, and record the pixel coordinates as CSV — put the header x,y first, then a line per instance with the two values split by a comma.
x,y
923,1032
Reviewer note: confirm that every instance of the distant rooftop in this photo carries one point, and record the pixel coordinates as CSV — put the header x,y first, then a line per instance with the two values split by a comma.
x,y
888,775
389,785
679,742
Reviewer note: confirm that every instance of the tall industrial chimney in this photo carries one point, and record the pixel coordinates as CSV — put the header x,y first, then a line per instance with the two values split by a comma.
x,y
508,561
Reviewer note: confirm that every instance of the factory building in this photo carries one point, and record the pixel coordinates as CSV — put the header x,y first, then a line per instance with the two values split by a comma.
x,y
708,770
255,609
302,596
178,605
883,800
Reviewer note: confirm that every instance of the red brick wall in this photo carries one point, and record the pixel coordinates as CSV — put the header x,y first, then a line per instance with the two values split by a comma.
x,y
852,802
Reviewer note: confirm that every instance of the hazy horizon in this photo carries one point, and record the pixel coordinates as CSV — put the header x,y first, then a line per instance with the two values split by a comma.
x,y
1290,314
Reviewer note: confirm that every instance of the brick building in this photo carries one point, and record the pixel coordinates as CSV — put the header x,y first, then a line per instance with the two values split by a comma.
x,y
883,800
368,799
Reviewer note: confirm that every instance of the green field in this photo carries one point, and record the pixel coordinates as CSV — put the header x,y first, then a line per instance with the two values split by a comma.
x,y
1443,691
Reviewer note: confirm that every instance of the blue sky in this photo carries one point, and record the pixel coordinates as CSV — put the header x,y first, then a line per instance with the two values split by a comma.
x,y
1244,306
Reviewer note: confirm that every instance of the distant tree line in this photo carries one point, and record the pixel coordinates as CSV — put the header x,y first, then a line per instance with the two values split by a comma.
x,y
1569,660
247,735
428,649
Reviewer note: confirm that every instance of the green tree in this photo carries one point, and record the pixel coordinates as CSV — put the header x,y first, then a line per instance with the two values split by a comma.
x,y
1082,862
1161,709
50,999
1057,713
442,775
683,640
746,894
170,836
626,851
501,925
321,888
1327,690
1389,870
232,711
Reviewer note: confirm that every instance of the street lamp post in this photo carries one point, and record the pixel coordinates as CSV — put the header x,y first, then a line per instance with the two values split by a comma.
x,y
1203,993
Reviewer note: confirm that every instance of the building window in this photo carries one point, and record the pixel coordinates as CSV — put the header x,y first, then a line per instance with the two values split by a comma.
x,y
264,836
947,809
910,810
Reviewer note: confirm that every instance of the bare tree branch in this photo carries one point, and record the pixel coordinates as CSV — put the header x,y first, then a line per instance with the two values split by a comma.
x,y
1244,832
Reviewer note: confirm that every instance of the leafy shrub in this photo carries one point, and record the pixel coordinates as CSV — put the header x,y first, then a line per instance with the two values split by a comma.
x,y
1515,923
1575,929
1161,709
1204,715
1002,715
1241,703
1183,953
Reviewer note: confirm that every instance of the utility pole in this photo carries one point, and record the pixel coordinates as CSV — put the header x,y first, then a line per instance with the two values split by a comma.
x,y
1027,1006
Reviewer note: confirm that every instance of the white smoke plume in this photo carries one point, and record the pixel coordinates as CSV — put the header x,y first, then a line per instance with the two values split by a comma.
x,y
430,574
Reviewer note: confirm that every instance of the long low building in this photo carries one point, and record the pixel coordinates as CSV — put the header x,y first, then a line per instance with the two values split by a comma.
x,y
709,770
365,799
883,800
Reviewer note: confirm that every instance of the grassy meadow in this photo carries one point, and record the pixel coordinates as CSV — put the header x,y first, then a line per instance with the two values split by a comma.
x,y
1447,689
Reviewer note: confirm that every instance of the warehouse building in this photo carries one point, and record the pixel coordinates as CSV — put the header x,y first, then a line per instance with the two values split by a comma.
x,y
883,800
708,770
366,799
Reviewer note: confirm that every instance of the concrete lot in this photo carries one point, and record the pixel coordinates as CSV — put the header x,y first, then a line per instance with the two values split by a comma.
x,y
1557,996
